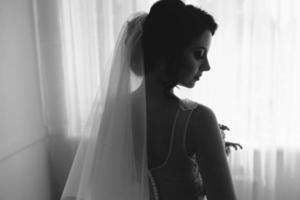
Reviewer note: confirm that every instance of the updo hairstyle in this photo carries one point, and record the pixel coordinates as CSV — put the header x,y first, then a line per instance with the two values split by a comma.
x,y
169,27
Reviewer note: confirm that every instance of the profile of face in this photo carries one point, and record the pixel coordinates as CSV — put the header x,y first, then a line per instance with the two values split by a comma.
x,y
194,60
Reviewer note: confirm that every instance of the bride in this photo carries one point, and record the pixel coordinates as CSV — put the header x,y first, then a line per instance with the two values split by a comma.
x,y
143,142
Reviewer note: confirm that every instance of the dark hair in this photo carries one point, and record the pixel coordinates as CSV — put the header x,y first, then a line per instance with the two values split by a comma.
x,y
169,27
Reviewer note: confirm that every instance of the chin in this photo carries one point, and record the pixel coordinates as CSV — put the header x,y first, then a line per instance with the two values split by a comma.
x,y
191,86
188,85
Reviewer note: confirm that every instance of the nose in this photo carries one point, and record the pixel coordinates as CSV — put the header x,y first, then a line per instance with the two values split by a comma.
x,y
205,65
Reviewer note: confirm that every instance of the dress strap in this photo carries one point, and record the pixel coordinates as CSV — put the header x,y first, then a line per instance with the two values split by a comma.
x,y
187,104
184,111
187,107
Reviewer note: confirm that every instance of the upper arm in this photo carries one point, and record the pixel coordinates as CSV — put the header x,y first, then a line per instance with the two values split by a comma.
x,y
211,156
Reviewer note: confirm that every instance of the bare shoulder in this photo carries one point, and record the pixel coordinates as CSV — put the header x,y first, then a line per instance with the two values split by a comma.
x,y
202,118
203,112
200,111
203,129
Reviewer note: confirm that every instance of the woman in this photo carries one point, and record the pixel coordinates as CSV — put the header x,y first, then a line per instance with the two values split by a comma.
x,y
142,141
176,41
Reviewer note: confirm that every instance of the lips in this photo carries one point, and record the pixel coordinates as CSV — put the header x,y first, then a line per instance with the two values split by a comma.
x,y
197,77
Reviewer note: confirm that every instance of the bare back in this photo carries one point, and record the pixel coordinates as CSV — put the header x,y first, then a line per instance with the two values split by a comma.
x,y
160,121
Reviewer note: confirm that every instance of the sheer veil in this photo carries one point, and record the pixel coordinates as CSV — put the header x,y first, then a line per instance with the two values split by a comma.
x,y
111,160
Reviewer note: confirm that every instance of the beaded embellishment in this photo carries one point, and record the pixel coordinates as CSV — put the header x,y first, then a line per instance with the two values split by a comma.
x,y
153,185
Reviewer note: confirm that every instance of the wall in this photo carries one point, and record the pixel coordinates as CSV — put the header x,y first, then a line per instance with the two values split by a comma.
x,y
23,145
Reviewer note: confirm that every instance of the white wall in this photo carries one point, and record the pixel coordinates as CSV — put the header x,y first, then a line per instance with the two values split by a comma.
x,y
23,154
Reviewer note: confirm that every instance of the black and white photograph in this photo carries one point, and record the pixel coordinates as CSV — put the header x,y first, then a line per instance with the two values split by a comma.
x,y
149,100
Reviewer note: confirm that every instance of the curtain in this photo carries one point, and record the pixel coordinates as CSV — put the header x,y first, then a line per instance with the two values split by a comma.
x,y
253,87
253,84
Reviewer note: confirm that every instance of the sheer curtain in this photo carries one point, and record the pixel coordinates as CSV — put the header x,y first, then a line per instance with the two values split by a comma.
x,y
252,86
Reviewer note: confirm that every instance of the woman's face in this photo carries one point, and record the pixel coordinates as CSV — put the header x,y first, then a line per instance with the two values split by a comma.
x,y
194,60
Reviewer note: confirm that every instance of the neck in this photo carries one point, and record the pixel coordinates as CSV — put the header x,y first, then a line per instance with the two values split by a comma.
x,y
155,92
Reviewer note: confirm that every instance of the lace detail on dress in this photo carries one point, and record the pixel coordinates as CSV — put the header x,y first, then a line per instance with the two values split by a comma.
x,y
187,104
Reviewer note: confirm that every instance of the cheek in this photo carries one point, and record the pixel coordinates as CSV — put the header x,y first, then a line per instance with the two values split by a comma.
x,y
192,66
188,67
188,71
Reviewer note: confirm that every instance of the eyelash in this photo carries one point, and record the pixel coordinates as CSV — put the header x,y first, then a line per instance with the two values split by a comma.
x,y
199,54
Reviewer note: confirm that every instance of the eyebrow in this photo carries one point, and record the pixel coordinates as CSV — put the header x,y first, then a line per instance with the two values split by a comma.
x,y
200,47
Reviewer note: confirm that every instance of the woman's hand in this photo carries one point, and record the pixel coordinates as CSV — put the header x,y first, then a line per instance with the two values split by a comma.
x,y
232,144
228,144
